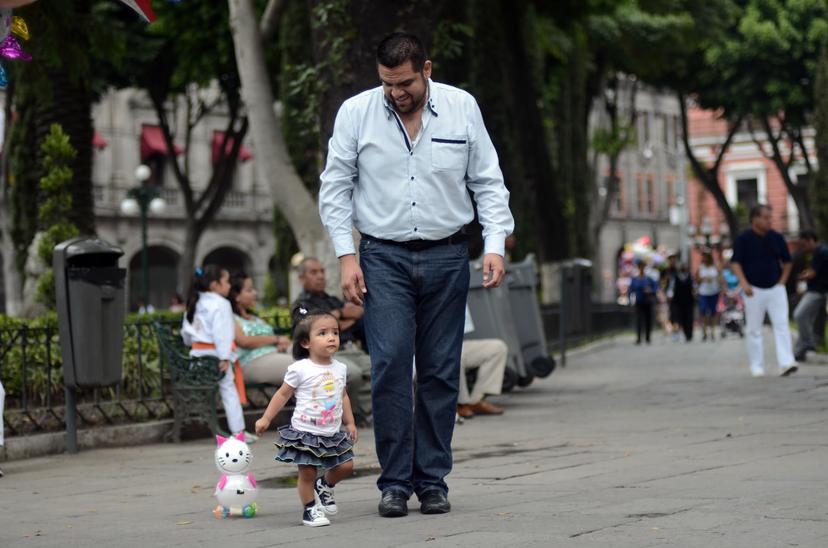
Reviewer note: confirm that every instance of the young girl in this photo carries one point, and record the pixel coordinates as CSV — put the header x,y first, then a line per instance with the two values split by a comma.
x,y
208,328
313,438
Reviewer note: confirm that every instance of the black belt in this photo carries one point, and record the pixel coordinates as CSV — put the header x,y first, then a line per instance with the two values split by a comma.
x,y
421,245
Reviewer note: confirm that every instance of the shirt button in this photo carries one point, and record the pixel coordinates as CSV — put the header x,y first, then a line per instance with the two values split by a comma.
x,y
415,229
413,203
411,153
412,177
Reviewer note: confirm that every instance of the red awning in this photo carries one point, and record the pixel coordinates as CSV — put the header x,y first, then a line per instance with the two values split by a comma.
x,y
152,142
218,137
98,142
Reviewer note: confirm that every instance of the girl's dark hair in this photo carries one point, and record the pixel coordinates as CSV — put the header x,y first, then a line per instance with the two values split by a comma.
x,y
399,47
236,285
302,330
202,278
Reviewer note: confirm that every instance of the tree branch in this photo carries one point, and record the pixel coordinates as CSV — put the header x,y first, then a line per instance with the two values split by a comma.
x,y
182,180
270,19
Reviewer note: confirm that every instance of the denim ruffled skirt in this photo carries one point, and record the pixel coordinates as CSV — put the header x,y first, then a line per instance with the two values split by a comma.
x,y
304,448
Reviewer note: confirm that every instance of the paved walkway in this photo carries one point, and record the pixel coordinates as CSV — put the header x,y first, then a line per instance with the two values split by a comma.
x,y
672,444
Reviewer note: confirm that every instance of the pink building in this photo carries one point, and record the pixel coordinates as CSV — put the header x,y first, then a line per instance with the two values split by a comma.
x,y
746,177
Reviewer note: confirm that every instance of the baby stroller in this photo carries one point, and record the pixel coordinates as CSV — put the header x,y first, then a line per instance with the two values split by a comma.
x,y
732,313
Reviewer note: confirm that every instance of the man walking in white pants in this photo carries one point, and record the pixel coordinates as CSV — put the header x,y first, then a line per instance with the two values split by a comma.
x,y
762,263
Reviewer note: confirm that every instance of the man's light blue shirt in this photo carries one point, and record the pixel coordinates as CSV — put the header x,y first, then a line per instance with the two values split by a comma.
x,y
378,182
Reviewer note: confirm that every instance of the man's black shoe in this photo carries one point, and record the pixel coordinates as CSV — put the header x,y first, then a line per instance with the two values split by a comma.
x,y
393,504
800,356
434,502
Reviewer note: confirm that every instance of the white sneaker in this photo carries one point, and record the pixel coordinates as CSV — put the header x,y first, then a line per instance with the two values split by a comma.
x,y
324,496
757,374
314,517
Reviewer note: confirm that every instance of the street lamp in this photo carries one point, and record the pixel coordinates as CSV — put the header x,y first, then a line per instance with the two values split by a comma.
x,y
143,199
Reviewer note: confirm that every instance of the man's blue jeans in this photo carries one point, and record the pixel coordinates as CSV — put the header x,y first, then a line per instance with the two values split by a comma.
x,y
415,306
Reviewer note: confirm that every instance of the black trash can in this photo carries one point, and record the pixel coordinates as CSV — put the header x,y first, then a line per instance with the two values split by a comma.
x,y
89,290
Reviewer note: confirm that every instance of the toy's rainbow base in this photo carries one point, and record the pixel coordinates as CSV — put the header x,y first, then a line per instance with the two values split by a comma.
x,y
225,512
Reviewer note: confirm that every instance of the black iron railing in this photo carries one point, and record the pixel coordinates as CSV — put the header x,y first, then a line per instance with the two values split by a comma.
x,y
32,375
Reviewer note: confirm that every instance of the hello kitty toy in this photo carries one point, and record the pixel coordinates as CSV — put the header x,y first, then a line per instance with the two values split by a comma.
x,y
236,490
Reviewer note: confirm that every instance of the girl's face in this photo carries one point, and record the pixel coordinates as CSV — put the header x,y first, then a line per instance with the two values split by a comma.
x,y
246,299
222,286
323,341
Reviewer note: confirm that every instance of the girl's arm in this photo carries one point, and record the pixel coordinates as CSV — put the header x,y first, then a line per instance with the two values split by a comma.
x,y
255,341
277,402
348,417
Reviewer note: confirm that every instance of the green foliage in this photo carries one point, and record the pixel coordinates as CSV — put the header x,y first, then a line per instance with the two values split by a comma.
x,y
819,188
55,208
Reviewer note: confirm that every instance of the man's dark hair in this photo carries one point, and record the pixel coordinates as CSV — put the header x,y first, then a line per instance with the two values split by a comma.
x,y
808,234
399,47
756,211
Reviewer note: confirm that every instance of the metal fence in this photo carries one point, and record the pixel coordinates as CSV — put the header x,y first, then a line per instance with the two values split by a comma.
x,y
32,375
597,319
31,372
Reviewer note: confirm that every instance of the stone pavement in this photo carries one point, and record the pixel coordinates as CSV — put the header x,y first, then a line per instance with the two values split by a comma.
x,y
668,445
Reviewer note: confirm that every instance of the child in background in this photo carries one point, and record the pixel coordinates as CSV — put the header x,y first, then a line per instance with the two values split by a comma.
x,y
313,439
208,328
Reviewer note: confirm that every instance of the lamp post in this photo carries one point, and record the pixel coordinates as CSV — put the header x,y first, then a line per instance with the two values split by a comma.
x,y
143,199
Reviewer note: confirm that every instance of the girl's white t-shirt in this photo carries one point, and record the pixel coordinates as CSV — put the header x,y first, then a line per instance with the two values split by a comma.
x,y
318,389
708,280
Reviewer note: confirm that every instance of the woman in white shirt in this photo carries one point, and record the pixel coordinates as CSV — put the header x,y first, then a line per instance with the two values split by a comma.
x,y
710,283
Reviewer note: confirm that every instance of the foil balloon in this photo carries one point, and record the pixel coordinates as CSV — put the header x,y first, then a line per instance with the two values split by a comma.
x,y
236,489
10,49
142,8
20,28
3,80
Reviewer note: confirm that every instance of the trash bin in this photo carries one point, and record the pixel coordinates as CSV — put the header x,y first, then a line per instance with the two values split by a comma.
x,y
523,298
576,297
493,319
89,290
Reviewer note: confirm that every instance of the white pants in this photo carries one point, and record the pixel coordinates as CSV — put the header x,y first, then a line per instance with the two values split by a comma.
x,y
230,401
2,403
489,357
774,301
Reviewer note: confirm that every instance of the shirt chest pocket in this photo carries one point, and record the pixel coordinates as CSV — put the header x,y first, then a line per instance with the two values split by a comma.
x,y
449,153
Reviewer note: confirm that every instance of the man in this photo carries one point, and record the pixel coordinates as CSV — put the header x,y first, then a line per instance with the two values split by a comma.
x,y
402,161
762,263
314,297
813,300
488,357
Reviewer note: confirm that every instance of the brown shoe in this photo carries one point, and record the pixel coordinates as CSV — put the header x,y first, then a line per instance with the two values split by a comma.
x,y
465,410
485,408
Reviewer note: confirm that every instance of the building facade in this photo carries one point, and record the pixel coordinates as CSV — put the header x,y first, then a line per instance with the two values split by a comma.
x,y
650,202
127,135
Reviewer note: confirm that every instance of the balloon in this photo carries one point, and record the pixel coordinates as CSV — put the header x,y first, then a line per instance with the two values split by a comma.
x,y
236,490
142,8
10,49
19,27
3,80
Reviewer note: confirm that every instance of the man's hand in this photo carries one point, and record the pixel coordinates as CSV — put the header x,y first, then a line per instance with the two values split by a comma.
x,y
493,270
748,290
353,284
224,365
807,274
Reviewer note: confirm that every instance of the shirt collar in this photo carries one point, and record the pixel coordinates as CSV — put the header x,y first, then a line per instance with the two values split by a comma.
x,y
431,103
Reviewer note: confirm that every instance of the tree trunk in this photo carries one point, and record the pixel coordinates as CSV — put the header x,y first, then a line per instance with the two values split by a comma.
x,y
275,170
186,263
709,176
